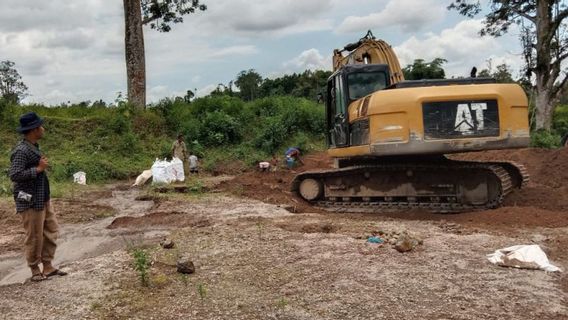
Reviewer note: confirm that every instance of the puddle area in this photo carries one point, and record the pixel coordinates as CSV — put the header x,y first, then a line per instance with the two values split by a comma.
x,y
80,241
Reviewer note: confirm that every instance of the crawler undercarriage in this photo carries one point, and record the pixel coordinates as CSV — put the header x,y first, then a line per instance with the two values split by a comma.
x,y
439,185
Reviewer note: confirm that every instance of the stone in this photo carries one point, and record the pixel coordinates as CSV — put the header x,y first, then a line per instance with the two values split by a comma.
x,y
185,265
167,244
406,243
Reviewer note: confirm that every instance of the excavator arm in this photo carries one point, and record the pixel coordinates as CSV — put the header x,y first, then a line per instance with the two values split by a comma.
x,y
369,50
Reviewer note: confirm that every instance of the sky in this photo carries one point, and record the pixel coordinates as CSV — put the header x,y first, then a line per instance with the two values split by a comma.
x,y
73,50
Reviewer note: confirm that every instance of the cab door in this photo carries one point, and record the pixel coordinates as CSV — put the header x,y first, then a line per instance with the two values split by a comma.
x,y
337,116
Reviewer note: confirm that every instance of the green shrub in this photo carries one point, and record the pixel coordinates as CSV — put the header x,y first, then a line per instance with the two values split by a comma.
x,y
142,265
560,120
545,139
219,129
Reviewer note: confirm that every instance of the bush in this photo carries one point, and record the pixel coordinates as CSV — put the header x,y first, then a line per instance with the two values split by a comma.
x,y
219,128
560,120
545,139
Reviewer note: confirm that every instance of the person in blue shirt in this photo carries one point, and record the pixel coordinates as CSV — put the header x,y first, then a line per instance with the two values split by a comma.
x,y
293,156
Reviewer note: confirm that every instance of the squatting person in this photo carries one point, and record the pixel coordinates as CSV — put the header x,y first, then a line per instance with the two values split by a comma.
x,y
32,196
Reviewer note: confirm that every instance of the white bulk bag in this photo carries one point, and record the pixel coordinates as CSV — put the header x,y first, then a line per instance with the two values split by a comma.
x,y
160,173
177,167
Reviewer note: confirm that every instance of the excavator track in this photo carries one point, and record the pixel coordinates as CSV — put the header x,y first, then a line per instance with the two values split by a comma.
x,y
446,186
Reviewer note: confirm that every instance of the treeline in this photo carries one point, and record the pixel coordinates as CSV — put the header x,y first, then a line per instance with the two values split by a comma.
x,y
250,85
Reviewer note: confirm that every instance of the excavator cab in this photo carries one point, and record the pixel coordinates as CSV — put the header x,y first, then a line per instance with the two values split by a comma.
x,y
348,84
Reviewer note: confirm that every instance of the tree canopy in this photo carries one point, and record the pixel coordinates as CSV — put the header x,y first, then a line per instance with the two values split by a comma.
x,y
425,70
160,15
12,88
248,83
544,37
501,73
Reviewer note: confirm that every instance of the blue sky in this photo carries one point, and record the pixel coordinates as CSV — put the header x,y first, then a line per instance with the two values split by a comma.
x,y
69,50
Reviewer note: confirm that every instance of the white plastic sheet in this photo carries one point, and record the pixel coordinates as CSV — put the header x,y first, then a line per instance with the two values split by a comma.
x,y
142,178
80,178
522,256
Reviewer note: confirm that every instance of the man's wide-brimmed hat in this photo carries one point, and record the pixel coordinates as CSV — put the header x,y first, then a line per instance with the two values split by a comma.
x,y
29,121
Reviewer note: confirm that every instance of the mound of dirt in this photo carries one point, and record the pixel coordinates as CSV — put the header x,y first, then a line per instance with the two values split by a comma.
x,y
160,218
541,203
274,187
546,167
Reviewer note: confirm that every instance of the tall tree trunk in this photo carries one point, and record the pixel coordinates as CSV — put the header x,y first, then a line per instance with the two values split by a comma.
x,y
544,106
544,83
134,45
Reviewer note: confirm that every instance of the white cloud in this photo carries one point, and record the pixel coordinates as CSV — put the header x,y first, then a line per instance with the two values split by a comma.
x,y
408,15
309,59
233,50
201,92
260,17
69,50
461,45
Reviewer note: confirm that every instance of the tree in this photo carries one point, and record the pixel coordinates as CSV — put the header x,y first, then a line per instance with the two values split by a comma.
x,y
160,15
12,88
248,83
502,72
544,40
188,96
309,84
425,70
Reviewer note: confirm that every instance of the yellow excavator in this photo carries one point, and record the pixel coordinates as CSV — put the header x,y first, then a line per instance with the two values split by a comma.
x,y
389,137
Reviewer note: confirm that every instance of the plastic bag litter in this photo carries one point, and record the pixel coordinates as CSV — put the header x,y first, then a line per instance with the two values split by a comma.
x,y
375,239
522,256
142,178
80,178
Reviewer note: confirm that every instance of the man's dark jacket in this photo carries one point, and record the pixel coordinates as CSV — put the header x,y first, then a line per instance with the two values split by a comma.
x,y
24,161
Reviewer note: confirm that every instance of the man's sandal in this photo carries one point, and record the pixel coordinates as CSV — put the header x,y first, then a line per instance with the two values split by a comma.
x,y
56,272
38,277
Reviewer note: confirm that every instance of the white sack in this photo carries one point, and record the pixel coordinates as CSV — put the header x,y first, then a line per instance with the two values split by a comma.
x,y
142,178
522,256
177,168
161,172
80,178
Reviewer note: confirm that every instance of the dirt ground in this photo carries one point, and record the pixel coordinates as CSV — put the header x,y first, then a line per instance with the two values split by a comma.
x,y
261,253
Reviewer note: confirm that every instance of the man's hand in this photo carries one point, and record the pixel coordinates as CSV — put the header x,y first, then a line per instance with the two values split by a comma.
x,y
43,164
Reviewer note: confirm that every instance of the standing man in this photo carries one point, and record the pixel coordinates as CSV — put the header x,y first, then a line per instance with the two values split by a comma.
x,y
180,151
32,197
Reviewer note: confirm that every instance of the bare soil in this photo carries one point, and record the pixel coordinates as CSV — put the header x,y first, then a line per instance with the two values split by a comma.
x,y
262,253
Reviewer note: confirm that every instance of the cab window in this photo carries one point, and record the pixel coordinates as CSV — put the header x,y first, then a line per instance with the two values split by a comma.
x,y
364,83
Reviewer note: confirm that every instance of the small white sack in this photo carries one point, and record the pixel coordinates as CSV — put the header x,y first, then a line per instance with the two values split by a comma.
x,y
80,178
160,172
142,178
522,256
177,167
264,165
